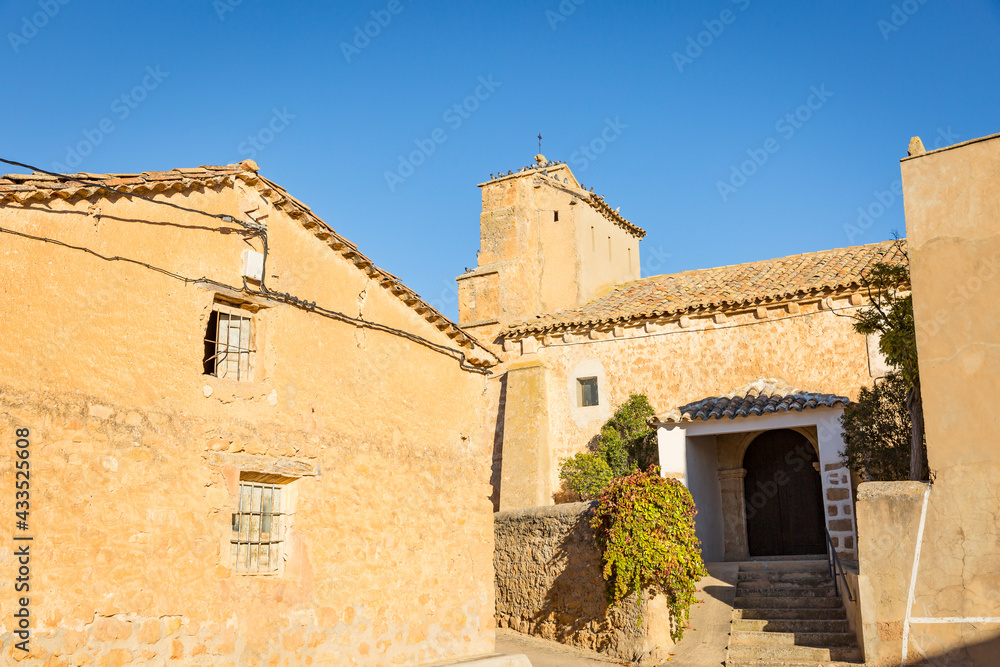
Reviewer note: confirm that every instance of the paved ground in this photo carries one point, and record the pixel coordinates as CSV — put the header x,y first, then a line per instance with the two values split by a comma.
x,y
704,643
543,653
706,640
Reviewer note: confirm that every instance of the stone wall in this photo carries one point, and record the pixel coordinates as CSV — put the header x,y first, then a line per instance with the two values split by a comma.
x,y
549,584
814,349
953,229
136,453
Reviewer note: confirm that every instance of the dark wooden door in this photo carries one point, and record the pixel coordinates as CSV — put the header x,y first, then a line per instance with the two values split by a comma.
x,y
784,496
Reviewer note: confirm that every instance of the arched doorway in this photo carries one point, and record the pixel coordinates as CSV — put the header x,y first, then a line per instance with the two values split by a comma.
x,y
784,496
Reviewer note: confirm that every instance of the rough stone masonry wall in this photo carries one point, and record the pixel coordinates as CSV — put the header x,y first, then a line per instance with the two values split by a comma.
x,y
136,454
549,584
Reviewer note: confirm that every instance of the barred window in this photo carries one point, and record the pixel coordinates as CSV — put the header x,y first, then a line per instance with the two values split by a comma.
x,y
259,523
229,343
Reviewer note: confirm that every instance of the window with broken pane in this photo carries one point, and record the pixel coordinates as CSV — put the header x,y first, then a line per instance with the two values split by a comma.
x,y
258,525
229,343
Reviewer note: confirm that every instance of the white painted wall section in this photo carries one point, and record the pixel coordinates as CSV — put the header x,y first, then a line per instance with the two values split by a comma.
x,y
703,483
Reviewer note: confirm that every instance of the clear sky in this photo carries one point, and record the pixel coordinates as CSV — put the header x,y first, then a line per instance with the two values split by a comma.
x,y
731,130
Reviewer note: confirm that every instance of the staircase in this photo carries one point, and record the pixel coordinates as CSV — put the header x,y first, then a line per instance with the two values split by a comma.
x,y
787,613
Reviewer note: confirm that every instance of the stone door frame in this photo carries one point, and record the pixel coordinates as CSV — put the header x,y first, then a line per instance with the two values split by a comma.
x,y
822,428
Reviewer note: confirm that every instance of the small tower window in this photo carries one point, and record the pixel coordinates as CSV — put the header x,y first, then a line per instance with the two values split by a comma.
x,y
586,392
555,216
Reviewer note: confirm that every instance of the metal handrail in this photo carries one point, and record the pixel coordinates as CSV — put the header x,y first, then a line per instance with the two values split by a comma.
x,y
833,560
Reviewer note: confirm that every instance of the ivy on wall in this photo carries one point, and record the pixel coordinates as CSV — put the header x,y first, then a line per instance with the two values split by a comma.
x,y
627,442
644,526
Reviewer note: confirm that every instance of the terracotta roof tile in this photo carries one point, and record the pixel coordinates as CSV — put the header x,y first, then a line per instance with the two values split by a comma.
x,y
13,187
761,397
740,285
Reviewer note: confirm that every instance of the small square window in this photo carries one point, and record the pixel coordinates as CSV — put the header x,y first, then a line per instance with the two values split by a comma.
x,y
262,512
229,343
586,392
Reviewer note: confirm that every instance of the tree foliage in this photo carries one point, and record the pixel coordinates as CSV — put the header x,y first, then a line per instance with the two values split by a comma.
x,y
627,442
877,432
890,316
645,529
586,474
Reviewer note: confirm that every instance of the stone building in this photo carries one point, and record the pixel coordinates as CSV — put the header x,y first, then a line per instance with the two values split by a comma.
x,y
749,366
247,444
930,553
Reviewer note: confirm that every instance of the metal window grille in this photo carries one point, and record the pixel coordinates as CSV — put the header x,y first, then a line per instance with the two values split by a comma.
x,y
258,528
228,343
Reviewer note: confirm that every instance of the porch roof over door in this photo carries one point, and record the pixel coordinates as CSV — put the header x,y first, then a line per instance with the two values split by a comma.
x,y
758,398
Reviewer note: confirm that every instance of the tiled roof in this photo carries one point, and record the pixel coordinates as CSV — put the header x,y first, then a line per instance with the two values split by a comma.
x,y
722,288
27,188
761,397
596,202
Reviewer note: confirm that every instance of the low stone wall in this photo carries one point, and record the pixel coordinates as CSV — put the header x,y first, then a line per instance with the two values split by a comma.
x,y
888,520
549,584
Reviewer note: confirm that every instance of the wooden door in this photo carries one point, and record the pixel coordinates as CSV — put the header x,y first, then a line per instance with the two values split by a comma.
x,y
784,496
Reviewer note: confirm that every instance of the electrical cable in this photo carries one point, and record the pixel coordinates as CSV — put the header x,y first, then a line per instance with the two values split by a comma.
x,y
259,230
218,216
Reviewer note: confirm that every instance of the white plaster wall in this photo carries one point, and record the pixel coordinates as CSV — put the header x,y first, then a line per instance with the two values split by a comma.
x,y
703,483
671,444
593,416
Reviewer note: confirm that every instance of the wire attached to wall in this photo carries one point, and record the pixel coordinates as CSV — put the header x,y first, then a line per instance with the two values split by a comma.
x,y
264,291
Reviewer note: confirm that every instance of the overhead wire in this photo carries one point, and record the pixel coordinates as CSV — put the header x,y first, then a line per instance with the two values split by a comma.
x,y
259,230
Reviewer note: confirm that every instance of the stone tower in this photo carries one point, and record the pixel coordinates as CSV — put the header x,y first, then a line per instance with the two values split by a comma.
x,y
546,244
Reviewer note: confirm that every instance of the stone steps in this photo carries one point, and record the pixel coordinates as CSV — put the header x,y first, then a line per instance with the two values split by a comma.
x,y
786,653
788,613
789,625
773,638
775,578
786,602
764,613
793,566
825,591
786,663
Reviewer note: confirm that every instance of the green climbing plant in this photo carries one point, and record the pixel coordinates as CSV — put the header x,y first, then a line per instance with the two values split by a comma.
x,y
626,443
644,526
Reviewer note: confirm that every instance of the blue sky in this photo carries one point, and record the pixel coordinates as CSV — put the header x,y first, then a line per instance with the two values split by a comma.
x,y
677,112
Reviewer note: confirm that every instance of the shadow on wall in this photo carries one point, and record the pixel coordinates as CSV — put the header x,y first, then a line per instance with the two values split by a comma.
x,y
549,584
575,607
982,654
497,466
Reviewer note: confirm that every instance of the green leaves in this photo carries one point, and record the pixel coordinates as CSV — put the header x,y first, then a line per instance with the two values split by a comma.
x,y
890,315
878,431
627,442
644,525
891,412
586,474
